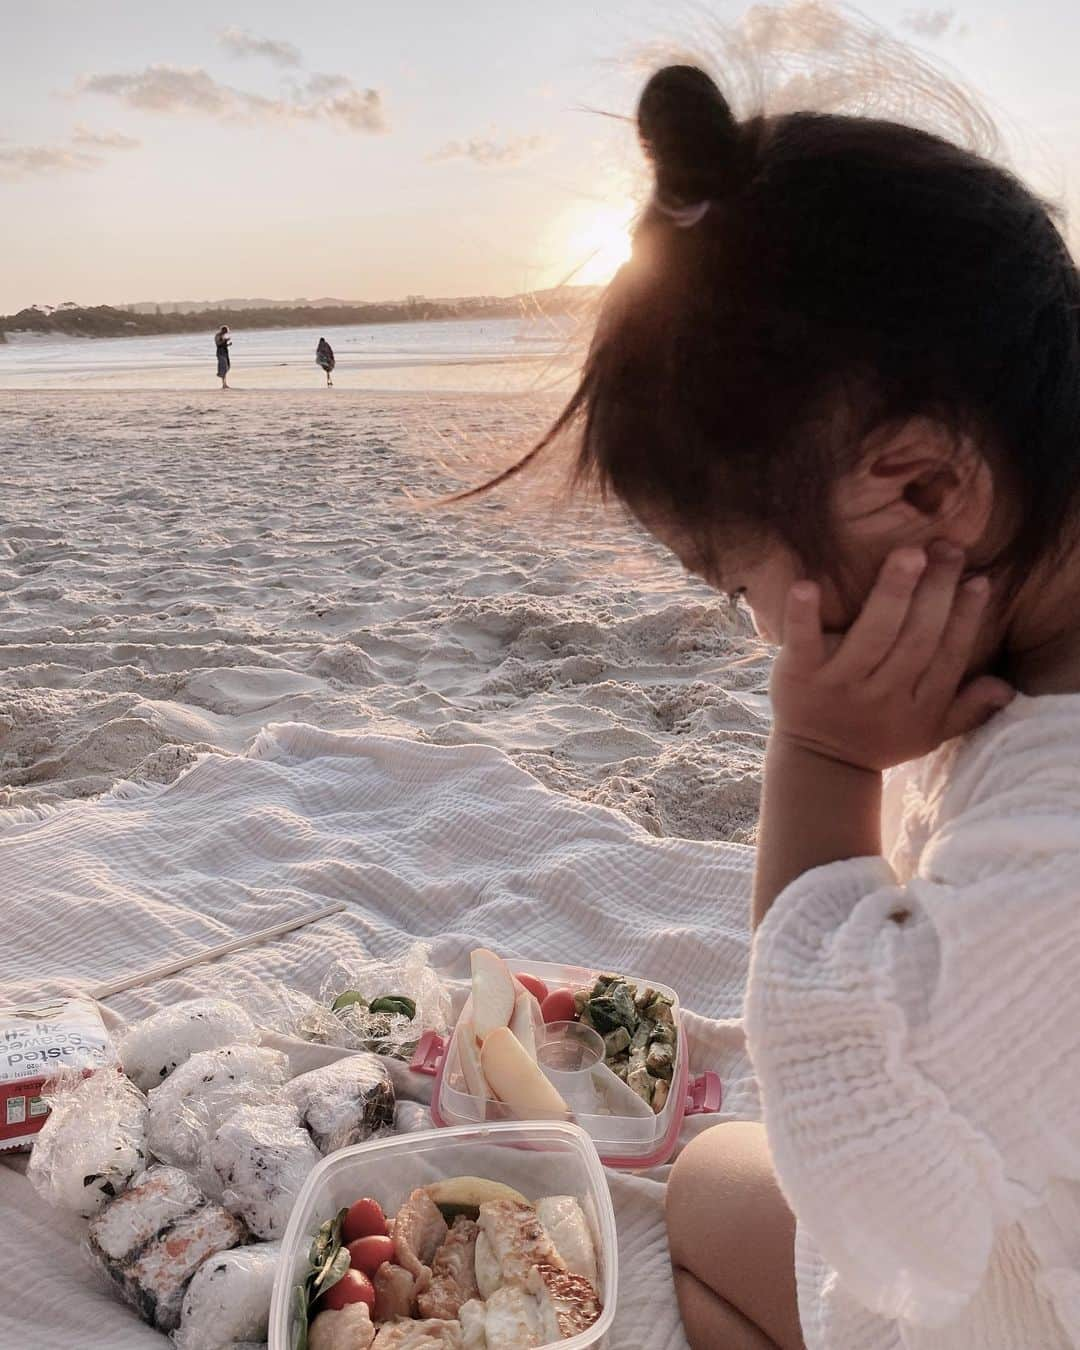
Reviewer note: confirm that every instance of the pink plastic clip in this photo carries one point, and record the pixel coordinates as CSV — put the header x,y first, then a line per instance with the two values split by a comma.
x,y
704,1095
429,1053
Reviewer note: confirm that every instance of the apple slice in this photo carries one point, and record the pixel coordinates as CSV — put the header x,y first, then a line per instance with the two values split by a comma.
x,y
526,1021
493,992
469,1055
517,1080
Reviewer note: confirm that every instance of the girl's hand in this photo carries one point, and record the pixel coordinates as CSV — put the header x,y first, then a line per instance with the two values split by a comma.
x,y
892,689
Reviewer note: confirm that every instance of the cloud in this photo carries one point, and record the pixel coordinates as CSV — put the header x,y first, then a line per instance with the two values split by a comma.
x,y
104,140
489,152
27,161
318,86
239,42
929,23
180,90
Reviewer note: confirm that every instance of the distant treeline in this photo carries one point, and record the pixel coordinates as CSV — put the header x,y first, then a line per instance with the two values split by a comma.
x,y
108,321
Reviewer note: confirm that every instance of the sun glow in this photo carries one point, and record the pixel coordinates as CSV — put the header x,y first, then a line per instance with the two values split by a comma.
x,y
598,243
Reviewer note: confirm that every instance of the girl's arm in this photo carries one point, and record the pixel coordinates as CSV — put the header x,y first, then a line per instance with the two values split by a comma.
x,y
814,811
889,692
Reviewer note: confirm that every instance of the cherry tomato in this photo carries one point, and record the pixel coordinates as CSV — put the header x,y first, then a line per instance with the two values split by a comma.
x,y
364,1219
559,1006
537,988
368,1253
353,1287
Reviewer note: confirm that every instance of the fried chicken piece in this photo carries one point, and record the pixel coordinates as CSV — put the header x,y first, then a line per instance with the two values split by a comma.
x,y
568,1302
473,1316
395,1292
432,1334
512,1320
453,1272
566,1225
488,1270
347,1328
518,1239
419,1230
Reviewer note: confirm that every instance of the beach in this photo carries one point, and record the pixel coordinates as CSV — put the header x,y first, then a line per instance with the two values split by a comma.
x,y
179,569
197,586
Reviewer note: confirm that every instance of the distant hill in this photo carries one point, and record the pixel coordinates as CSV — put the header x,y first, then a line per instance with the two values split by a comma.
x,y
233,303
150,318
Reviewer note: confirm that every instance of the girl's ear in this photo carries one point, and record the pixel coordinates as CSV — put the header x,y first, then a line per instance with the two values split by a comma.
x,y
918,482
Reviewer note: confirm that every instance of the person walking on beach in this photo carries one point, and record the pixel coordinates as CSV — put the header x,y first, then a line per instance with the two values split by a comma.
x,y
222,342
324,356
840,377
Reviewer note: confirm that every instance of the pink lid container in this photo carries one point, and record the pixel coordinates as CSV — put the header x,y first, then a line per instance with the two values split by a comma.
x,y
635,1140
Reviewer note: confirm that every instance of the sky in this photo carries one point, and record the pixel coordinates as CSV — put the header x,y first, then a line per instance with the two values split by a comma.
x,y
371,151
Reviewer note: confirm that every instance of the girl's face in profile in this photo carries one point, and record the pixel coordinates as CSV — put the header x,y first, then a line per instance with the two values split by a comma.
x,y
761,575
911,491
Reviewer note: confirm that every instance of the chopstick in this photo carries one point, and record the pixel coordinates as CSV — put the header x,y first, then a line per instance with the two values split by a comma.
x,y
133,981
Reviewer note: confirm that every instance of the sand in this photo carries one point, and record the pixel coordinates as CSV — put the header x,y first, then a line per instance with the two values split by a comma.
x,y
179,569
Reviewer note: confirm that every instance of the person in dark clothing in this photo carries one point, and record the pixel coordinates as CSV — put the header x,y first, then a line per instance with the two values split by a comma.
x,y
222,342
324,356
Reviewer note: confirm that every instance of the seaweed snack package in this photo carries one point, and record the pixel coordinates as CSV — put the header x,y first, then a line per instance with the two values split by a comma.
x,y
36,1043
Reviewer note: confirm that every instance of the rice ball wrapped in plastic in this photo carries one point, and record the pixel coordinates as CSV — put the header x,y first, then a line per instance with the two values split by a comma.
x,y
152,1239
92,1143
151,1049
188,1107
261,1156
228,1300
345,1102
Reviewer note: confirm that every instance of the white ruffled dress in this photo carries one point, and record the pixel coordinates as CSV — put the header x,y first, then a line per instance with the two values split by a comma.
x,y
914,1021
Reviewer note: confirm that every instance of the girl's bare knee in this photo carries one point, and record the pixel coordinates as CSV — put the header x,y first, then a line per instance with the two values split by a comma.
x,y
715,1180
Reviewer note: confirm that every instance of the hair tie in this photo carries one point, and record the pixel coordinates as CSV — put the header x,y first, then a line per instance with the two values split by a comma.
x,y
684,217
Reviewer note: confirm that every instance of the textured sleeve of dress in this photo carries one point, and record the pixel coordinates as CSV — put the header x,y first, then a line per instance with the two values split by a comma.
x,y
918,1044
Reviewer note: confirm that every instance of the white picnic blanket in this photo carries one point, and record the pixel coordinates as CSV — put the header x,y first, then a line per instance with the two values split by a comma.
x,y
455,846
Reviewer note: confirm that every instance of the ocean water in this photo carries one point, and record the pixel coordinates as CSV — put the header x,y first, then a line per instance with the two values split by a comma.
x,y
481,355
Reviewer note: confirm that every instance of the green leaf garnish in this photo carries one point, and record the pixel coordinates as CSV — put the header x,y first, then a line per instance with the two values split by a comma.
x,y
300,1317
333,1271
328,1261
394,1003
347,999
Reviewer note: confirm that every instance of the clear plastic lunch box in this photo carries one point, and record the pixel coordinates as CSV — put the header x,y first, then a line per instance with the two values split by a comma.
x,y
538,1159
624,1141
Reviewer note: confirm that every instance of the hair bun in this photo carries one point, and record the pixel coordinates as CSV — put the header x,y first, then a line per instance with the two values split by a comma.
x,y
689,133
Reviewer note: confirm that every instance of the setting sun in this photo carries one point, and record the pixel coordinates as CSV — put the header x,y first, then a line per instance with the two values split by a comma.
x,y
598,243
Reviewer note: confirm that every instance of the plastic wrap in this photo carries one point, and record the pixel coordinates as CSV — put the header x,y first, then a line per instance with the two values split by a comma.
x,y
192,1102
153,1237
345,1102
410,1117
228,1299
358,1026
151,1049
261,1156
92,1143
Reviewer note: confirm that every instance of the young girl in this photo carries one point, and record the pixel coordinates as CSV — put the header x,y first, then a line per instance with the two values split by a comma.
x,y
841,377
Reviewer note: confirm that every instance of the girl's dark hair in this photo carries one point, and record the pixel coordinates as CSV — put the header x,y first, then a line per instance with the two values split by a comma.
x,y
801,281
